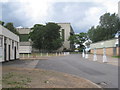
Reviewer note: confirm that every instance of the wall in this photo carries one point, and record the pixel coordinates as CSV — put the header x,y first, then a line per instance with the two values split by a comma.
x,y
25,49
109,51
66,27
12,41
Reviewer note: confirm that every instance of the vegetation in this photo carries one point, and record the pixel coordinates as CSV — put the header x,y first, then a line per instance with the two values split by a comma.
x,y
24,37
18,82
108,26
9,26
116,56
79,39
46,37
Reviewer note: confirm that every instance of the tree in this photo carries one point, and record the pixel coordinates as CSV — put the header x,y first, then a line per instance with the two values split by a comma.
x,y
79,39
46,37
11,27
37,36
108,27
53,40
2,23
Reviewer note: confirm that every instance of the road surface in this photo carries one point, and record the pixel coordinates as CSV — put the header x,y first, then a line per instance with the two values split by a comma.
x,y
102,74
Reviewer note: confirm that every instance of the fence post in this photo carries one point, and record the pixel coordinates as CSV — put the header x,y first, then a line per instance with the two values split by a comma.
x,y
47,54
41,54
56,53
28,55
23,56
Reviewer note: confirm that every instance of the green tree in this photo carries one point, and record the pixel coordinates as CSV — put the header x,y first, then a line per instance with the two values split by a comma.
x,y
108,27
79,39
46,37
53,40
2,23
11,27
37,36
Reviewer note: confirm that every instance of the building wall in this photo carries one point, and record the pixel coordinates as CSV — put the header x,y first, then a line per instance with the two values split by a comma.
x,y
111,47
24,30
66,44
109,51
25,49
67,30
9,47
119,9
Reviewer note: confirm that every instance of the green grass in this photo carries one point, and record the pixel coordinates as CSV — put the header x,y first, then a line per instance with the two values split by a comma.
x,y
13,80
116,56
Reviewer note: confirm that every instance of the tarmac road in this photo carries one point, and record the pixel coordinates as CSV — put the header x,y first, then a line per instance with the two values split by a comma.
x,y
105,75
102,74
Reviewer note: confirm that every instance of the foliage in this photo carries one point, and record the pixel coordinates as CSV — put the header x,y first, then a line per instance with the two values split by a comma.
x,y
108,27
11,27
24,37
46,37
2,23
78,39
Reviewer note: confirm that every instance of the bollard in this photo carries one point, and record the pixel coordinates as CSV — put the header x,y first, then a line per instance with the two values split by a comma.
x,y
41,54
47,54
104,55
56,53
95,56
83,54
59,53
23,56
28,55
86,56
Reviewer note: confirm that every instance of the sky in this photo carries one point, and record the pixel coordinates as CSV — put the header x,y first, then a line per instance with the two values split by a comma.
x,y
82,14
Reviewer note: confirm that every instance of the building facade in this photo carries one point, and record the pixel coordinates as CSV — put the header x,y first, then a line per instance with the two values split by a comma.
x,y
110,47
26,45
66,31
9,45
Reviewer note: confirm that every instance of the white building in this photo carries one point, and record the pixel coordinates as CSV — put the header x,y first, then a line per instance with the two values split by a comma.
x,y
119,9
9,45
25,43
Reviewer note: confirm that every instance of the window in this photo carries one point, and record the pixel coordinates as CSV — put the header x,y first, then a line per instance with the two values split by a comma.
x,y
63,32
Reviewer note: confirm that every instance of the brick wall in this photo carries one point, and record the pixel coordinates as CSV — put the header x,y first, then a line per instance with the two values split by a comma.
x,y
109,51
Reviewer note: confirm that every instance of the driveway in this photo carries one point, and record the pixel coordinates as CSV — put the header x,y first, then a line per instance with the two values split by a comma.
x,y
103,74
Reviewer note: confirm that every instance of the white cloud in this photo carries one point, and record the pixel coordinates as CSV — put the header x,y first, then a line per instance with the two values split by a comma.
x,y
42,11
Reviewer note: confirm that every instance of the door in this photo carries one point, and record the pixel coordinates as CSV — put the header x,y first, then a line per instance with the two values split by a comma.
x,y
15,53
5,52
9,52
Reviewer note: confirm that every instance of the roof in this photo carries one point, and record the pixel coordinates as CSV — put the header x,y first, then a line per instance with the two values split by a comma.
x,y
7,33
106,44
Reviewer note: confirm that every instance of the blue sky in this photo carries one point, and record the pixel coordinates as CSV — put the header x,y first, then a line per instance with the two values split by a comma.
x,y
82,14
